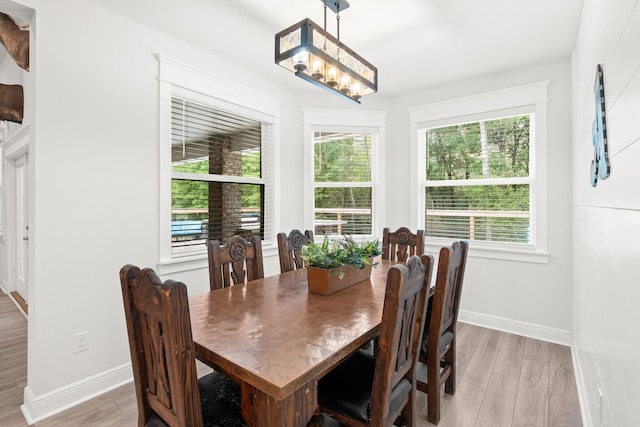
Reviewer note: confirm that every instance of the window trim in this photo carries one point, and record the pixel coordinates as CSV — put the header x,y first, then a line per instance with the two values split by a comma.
x,y
374,122
178,79
532,98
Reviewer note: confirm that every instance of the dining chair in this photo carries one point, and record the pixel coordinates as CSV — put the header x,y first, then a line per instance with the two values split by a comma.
x,y
290,249
397,246
168,392
402,243
438,349
377,390
237,261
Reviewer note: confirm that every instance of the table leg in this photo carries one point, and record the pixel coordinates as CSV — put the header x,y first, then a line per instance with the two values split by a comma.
x,y
261,410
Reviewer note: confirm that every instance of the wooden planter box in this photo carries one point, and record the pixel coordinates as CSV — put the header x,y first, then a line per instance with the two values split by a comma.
x,y
327,281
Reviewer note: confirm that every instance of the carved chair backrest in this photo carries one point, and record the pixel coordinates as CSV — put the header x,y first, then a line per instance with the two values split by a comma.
x,y
236,262
402,243
290,249
162,350
398,349
446,300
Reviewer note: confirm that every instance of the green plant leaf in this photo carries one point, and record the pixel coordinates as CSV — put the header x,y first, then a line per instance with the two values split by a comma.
x,y
344,252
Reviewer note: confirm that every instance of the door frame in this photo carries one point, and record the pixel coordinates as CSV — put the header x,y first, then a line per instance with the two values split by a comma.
x,y
15,146
21,209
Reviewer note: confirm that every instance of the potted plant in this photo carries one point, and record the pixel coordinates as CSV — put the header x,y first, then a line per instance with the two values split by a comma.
x,y
332,266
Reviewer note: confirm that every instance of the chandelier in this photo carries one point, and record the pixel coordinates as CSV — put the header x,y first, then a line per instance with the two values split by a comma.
x,y
316,56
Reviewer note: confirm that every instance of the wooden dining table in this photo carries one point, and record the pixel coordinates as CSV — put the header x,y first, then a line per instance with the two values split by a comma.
x,y
277,339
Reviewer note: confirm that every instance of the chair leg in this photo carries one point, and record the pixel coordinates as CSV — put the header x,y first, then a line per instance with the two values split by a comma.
x,y
433,393
433,406
408,413
450,359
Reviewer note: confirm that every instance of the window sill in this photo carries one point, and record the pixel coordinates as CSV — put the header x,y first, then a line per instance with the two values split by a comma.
x,y
183,263
198,260
498,252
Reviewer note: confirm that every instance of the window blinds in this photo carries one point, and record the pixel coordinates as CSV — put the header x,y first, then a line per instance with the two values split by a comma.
x,y
343,187
217,188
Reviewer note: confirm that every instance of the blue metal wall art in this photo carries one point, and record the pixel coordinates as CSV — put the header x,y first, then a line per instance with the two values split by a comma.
x,y
600,167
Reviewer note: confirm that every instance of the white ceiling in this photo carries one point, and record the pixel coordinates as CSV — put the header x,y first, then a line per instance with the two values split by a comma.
x,y
425,41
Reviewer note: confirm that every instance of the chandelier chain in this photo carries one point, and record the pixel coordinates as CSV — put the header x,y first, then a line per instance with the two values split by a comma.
x,y
338,18
325,17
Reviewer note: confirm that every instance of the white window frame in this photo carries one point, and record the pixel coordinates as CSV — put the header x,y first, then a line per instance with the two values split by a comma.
x,y
184,81
528,99
332,120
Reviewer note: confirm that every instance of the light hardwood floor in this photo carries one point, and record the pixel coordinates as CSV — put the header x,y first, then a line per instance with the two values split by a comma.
x,y
503,380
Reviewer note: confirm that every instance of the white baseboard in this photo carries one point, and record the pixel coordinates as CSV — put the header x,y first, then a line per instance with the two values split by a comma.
x,y
37,408
581,385
544,333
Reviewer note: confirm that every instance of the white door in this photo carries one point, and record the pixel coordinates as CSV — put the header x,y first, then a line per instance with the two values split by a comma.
x,y
22,226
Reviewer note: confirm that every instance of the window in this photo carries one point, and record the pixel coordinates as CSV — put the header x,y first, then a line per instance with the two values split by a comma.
x,y
342,183
482,172
217,188
218,145
478,185
342,153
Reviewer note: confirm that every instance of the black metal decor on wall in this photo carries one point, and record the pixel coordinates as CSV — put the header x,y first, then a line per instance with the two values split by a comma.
x,y
600,167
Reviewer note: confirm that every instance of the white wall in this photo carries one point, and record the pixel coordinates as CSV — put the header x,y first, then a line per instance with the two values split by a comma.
x,y
95,188
607,217
526,298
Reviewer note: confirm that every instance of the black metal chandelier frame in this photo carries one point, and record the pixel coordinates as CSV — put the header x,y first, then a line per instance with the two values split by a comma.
x,y
298,58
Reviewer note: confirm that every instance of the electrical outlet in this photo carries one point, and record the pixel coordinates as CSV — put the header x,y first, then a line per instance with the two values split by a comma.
x,y
81,342
600,404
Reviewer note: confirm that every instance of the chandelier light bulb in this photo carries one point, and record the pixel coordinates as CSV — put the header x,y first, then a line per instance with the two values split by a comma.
x,y
332,77
301,61
317,69
356,90
345,84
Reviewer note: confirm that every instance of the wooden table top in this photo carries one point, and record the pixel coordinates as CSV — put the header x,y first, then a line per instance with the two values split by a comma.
x,y
275,335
